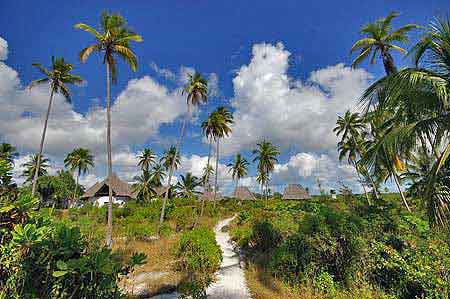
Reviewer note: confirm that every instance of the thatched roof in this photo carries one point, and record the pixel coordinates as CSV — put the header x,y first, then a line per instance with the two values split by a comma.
x,y
295,191
243,193
209,196
119,188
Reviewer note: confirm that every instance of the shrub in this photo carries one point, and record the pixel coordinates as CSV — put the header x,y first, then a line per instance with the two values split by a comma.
x,y
50,259
265,236
199,257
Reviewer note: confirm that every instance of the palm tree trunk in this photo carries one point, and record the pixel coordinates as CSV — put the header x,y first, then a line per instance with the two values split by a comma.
x,y
171,170
41,147
401,192
206,186
374,186
108,149
364,187
388,62
216,174
76,187
237,185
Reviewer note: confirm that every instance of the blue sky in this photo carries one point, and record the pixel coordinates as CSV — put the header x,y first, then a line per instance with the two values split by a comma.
x,y
213,37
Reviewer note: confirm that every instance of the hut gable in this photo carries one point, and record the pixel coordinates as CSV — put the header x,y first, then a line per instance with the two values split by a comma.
x,y
119,188
243,193
295,191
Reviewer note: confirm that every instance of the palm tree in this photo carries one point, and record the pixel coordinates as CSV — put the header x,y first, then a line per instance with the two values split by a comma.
x,y
238,168
146,159
35,165
144,185
417,100
222,122
158,175
196,90
208,171
167,159
80,160
187,185
352,128
8,152
113,40
266,156
379,38
208,130
57,77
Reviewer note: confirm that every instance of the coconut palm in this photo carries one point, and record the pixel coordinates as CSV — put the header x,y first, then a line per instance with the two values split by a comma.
x,y
167,159
351,128
158,174
143,187
187,185
208,130
266,156
379,38
146,159
196,91
112,40
35,165
79,160
222,122
8,152
238,168
208,171
418,99
57,78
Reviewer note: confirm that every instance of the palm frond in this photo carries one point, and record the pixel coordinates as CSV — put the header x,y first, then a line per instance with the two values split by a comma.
x,y
88,29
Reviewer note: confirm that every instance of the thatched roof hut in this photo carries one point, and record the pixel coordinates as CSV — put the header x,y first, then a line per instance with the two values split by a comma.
x,y
295,191
243,193
119,188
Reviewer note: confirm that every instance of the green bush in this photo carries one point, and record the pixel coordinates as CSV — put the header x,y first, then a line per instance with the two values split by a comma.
x,y
43,258
265,236
199,258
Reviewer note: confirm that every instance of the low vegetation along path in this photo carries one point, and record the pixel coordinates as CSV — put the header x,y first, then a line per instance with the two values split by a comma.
x,y
230,282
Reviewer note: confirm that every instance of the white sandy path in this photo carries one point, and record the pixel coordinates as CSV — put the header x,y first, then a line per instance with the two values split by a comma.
x,y
230,283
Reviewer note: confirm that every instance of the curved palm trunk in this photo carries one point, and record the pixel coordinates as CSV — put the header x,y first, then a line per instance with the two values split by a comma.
x,y
216,173
41,147
401,192
206,186
388,62
108,149
237,185
171,170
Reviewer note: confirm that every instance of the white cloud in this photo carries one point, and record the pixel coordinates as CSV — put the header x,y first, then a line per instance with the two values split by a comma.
x,y
3,49
213,85
300,115
165,73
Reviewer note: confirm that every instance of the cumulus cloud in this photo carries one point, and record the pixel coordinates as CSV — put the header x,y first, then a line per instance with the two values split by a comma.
x,y
136,115
3,49
270,104
165,73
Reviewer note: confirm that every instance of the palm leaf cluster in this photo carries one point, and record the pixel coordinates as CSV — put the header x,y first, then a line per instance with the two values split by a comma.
x,y
408,111
266,155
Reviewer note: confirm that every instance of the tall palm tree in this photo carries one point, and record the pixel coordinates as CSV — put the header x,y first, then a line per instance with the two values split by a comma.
x,y
79,160
208,130
57,77
35,165
146,159
187,185
113,40
266,156
379,38
8,152
238,168
196,91
222,128
352,128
